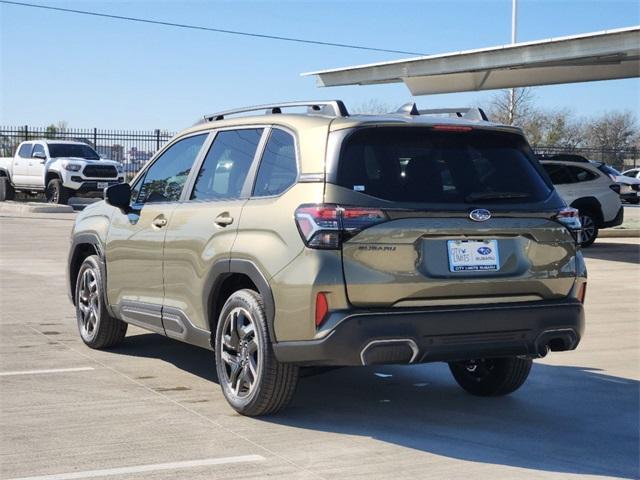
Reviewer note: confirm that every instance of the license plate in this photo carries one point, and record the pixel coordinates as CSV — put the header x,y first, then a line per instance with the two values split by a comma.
x,y
473,255
103,184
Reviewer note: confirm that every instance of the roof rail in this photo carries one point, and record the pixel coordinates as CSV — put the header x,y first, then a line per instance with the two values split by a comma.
x,y
334,108
468,113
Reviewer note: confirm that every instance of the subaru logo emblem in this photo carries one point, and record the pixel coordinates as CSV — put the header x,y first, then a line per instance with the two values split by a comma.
x,y
484,250
480,215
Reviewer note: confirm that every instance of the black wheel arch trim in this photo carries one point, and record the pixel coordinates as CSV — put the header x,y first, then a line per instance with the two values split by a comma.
x,y
220,272
592,205
86,238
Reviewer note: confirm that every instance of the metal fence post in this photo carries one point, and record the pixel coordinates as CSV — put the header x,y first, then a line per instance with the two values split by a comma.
x,y
26,133
157,139
95,137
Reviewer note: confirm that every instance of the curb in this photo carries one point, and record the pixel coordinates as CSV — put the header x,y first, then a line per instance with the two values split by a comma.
x,y
620,233
22,208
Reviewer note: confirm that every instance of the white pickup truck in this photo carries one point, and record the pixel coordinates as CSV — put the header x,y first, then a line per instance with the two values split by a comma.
x,y
59,168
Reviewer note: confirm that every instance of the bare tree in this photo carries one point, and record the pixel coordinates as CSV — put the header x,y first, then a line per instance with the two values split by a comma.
x,y
373,106
501,109
613,130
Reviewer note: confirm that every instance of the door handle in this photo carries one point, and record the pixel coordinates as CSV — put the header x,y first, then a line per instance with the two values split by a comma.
x,y
159,222
224,219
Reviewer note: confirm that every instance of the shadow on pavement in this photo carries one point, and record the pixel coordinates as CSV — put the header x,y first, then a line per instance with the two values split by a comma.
x,y
616,252
565,419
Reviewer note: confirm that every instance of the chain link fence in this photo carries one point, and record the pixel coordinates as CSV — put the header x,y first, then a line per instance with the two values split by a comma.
x,y
621,159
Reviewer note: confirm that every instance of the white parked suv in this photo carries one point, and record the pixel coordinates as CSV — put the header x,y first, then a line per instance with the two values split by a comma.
x,y
59,168
583,186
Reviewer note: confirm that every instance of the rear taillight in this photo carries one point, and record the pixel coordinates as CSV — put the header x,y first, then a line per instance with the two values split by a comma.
x,y
326,226
570,218
615,187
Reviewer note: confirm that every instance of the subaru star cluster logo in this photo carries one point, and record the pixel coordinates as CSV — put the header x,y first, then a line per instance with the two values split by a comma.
x,y
480,214
484,250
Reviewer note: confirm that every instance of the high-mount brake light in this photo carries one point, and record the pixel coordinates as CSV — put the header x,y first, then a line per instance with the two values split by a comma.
x,y
451,128
326,226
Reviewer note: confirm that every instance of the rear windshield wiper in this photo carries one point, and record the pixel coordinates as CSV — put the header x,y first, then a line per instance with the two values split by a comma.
x,y
473,197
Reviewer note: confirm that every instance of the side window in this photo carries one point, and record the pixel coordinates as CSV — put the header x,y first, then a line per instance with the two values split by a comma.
x,y
559,174
37,148
582,175
278,169
165,179
226,165
25,150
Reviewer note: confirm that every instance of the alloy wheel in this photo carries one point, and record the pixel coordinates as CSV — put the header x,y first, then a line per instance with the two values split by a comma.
x,y
240,352
588,228
89,304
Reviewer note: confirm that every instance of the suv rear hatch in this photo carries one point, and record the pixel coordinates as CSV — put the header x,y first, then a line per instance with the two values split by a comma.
x,y
447,215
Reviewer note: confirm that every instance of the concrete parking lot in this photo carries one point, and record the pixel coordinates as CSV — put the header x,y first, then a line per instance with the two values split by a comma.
x,y
151,408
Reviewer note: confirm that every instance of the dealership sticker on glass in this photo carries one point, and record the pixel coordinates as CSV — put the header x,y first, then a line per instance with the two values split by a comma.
x,y
473,255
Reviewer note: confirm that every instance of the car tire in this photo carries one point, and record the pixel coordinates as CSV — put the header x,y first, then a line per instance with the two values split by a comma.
x,y
491,377
6,189
56,192
590,230
97,328
253,381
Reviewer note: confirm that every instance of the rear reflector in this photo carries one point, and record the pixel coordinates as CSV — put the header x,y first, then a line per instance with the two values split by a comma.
x,y
322,307
582,292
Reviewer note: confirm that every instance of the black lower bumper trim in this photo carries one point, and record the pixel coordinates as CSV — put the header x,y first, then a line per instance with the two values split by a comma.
x,y
443,334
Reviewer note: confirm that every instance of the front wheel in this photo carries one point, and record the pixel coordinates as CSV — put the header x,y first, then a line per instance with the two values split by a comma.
x,y
491,377
97,328
253,381
6,189
56,192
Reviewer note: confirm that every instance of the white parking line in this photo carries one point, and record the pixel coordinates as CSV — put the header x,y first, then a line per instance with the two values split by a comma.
x,y
147,468
39,372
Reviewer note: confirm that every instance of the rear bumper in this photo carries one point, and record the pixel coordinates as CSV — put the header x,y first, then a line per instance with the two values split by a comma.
x,y
443,334
619,218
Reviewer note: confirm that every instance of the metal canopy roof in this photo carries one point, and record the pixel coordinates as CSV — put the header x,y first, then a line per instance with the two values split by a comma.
x,y
605,55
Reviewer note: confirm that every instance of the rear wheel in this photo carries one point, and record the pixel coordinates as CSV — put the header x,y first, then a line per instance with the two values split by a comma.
x,y
97,328
56,192
253,381
491,377
589,228
6,189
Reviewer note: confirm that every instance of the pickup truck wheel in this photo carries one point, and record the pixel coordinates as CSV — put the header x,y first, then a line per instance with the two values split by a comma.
x,y
56,192
97,328
6,189
491,377
589,228
252,380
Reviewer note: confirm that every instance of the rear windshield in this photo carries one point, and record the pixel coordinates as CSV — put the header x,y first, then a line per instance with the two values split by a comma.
x,y
422,165
72,150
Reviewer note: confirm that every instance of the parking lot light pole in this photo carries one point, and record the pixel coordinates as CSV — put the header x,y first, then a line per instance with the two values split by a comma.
x,y
514,25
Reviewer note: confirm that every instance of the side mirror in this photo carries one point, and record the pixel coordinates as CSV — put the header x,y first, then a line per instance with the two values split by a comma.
x,y
39,155
119,196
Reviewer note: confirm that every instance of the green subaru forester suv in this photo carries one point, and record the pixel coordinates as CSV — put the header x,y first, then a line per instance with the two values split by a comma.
x,y
304,236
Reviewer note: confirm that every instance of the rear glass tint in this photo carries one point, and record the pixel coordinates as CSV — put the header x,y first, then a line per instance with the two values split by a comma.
x,y
420,165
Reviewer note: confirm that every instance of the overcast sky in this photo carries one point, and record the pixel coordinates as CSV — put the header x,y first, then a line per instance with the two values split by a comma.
x,y
98,72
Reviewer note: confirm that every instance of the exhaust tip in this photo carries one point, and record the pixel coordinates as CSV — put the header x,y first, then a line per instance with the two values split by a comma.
x,y
397,350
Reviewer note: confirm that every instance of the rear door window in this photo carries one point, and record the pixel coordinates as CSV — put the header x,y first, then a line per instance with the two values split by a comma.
x,y
581,174
559,174
278,168
226,165
422,165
